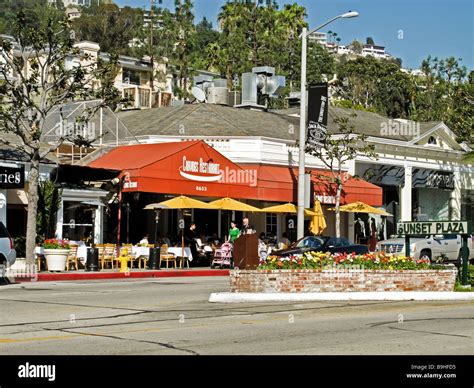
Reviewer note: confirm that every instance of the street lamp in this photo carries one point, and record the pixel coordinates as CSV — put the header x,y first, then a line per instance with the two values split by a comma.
x,y
301,170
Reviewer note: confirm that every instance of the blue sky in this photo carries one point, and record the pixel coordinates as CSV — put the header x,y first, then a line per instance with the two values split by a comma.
x,y
410,29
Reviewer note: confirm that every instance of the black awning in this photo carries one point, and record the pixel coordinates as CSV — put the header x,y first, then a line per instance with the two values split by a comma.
x,y
66,173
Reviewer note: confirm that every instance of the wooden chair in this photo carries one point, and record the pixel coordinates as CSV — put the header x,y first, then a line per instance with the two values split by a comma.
x,y
72,258
165,256
41,258
108,255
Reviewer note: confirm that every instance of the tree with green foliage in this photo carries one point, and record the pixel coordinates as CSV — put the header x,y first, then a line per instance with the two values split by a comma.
x,y
356,47
112,27
445,93
49,201
37,79
185,35
342,147
369,40
375,83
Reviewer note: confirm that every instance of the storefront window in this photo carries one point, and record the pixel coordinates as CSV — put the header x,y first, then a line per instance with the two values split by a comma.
x,y
467,205
271,224
77,221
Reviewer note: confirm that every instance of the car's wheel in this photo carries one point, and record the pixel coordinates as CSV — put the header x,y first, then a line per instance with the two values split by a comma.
x,y
425,255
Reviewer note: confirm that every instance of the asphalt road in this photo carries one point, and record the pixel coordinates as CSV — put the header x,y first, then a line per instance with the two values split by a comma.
x,y
173,316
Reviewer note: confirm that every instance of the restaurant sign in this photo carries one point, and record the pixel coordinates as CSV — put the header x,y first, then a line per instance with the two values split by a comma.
x,y
12,177
200,171
434,227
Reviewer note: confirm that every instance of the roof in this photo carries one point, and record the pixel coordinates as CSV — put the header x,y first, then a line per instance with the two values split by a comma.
x,y
364,122
209,120
139,156
218,120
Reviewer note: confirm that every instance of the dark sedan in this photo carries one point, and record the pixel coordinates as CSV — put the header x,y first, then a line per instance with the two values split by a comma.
x,y
322,244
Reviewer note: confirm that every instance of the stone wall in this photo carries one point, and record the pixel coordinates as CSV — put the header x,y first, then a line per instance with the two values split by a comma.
x,y
269,281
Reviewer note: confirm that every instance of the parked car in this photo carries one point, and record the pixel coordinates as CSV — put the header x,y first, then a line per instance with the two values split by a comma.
x,y
322,244
7,250
434,247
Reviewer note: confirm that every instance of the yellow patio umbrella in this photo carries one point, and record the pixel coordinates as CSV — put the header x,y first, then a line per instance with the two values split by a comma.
x,y
318,222
234,205
287,208
182,202
361,207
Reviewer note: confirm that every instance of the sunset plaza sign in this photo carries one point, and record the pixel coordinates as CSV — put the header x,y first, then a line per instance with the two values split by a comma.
x,y
434,227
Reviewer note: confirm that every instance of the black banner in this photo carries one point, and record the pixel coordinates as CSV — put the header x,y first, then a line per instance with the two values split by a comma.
x,y
12,177
318,104
367,371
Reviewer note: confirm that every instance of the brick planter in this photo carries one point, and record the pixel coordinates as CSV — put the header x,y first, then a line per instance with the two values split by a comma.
x,y
271,281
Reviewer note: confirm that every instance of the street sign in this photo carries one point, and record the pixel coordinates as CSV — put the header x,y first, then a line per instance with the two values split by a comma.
x,y
463,228
434,227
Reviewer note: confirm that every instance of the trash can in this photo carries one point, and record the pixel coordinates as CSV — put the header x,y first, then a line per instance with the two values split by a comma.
x,y
92,263
154,259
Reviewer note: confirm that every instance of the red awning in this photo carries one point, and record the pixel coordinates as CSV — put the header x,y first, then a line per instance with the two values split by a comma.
x,y
196,169
279,184
183,168
353,189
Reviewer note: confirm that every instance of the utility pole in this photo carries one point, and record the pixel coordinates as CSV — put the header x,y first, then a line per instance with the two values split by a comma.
x,y
152,4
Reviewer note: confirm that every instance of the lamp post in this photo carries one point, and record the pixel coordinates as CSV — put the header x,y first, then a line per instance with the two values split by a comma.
x,y
301,169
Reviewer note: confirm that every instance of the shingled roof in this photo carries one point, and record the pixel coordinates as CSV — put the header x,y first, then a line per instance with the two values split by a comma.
x,y
217,120
209,120
367,123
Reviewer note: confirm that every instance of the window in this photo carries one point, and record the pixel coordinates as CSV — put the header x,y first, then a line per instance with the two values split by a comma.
x,y
130,77
271,224
432,141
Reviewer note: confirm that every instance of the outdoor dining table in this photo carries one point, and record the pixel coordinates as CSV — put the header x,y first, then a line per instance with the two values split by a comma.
x,y
139,251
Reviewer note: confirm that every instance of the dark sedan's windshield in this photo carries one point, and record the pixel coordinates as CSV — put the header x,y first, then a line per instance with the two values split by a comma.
x,y
310,242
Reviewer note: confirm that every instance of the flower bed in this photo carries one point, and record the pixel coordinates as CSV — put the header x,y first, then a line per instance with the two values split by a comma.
x,y
325,272
321,260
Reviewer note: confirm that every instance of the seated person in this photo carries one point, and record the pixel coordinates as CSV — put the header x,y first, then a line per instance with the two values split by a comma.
x,y
284,241
144,241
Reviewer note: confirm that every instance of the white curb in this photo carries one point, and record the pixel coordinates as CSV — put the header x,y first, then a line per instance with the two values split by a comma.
x,y
232,297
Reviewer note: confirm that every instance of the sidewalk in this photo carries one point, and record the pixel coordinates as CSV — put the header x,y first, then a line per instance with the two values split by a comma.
x,y
110,274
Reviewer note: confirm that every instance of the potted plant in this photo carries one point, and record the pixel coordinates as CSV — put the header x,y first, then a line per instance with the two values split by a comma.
x,y
56,252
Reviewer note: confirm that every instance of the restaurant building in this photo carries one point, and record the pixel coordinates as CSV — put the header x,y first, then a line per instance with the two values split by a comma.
x,y
413,177
256,155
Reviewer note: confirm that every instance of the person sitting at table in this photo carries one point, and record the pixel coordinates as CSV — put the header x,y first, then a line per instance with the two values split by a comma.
x,y
234,232
144,241
284,241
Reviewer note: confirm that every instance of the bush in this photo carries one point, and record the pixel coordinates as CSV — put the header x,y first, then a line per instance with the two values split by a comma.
x,y
20,246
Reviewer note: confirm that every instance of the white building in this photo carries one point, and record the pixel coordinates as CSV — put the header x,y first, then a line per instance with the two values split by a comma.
x,y
319,37
375,51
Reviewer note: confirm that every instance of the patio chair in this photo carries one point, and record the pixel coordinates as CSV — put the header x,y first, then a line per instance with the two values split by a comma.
x,y
72,258
108,255
41,258
165,256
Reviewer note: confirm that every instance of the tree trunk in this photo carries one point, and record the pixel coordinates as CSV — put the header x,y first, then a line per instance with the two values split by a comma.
x,y
33,179
338,213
